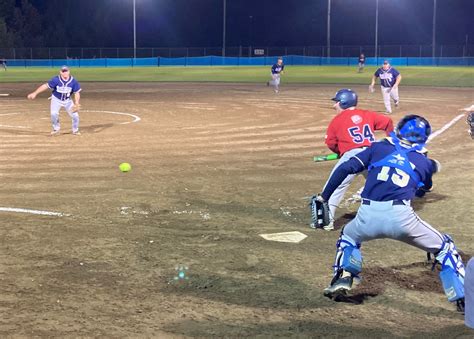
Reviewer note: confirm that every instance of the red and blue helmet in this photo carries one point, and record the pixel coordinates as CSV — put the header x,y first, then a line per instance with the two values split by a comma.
x,y
346,98
413,128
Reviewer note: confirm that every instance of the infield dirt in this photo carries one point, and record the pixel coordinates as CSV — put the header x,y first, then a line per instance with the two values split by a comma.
x,y
213,166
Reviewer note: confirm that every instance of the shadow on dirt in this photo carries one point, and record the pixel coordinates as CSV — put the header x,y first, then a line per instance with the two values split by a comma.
x,y
96,128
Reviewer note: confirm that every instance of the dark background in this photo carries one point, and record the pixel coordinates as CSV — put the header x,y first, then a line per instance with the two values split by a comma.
x,y
198,23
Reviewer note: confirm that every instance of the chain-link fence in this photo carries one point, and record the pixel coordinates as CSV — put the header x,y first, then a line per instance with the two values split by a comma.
x,y
239,51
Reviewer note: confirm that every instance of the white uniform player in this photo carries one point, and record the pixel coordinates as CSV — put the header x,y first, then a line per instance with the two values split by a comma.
x,y
389,80
62,86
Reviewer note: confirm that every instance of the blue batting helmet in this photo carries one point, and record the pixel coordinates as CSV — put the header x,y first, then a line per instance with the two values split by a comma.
x,y
414,129
346,98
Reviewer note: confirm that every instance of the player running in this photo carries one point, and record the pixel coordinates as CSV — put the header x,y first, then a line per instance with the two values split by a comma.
x,y
277,70
389,80
396,168
361,62
3,63
350,132
62,86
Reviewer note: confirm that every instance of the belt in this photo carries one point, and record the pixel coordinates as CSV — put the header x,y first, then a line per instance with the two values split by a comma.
x,y
394,202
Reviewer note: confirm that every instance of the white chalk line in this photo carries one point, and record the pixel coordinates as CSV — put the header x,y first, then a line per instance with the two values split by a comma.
x,y
136,118
356,197
9,126
444,128
37,212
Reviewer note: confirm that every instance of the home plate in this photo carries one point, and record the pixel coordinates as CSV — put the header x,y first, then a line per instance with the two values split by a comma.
x,y
294,237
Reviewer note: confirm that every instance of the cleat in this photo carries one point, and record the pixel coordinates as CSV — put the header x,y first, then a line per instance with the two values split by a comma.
x,y
277,91
53,133
76,133
387,113
329,227
339,287
397,103
460,306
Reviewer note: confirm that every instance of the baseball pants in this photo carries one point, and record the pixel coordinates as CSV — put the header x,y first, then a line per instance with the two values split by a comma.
x,y
56,105
389,93
383,219
338,194
275,82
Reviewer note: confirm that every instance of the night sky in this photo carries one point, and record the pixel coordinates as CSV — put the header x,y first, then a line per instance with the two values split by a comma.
x,y
173,23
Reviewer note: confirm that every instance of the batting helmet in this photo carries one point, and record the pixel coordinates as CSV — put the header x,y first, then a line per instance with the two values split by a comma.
x,y
346,98
414,129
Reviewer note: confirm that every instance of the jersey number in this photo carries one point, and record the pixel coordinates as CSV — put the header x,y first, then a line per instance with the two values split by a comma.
x,y
358,136
399,178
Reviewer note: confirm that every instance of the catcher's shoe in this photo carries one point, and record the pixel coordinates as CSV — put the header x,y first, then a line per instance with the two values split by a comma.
x,y
340,286
460,305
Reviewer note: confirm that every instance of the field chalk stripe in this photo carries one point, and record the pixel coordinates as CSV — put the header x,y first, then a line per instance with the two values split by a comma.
x,y
135,117
24,210
8,126
445,127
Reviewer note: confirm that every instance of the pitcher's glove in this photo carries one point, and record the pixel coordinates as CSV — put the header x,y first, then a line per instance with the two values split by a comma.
x,y
76,107
319,212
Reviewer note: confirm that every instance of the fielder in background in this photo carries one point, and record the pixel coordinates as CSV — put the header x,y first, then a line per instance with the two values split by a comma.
x,y
62,86
389,80
396,168
469,286
361,62
3,62
277,70
350,132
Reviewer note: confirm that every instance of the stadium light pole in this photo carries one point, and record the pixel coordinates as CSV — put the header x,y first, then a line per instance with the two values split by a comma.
x,y
376,28
434,28
223,28
134,30
328,39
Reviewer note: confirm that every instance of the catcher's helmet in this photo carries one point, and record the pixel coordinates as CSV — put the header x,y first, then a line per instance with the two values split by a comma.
x,y
346,98
414,129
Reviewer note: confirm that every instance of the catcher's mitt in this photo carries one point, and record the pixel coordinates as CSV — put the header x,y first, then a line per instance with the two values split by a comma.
x,y
76,108
319,212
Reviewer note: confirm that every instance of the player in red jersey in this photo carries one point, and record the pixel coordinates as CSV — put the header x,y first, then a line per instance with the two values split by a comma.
x,y
350,132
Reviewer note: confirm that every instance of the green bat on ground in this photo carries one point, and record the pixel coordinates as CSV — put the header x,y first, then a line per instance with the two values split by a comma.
x,y
328,157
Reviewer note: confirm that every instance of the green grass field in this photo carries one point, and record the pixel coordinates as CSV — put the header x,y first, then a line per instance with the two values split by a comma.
x,y
415,76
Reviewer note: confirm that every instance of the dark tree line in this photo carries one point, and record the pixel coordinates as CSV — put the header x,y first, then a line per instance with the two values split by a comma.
x,y
53,23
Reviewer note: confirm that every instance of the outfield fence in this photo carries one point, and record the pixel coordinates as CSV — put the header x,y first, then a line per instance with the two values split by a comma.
x,y
342,51
293,60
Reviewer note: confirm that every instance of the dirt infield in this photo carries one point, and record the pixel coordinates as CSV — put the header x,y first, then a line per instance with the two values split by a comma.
x,y
213,166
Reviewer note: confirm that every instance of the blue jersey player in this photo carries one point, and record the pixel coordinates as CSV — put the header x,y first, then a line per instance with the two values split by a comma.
x,y
396,168
389,80
62,87
277,70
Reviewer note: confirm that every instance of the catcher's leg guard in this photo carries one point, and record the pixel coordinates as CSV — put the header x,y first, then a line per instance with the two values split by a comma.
x,y
452,270
348,256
